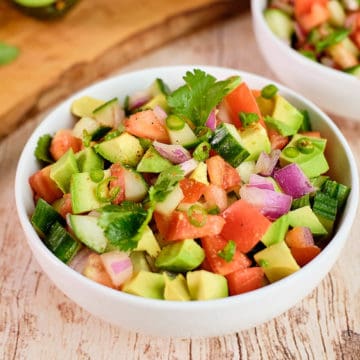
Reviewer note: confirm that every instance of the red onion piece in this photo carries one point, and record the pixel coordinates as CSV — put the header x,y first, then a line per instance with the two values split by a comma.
x,y
118,265
188,166
211,120
271,204
293,181
160,113
138,99
174,153
266,163
261,182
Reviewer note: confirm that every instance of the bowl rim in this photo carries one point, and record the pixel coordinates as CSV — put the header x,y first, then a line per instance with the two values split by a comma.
x,y
34,239
257,8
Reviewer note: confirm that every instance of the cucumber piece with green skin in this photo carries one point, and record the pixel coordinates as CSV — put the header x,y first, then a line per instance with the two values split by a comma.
x,y
228,143
279,23
87,230
185,136
85,105
108,114
136,187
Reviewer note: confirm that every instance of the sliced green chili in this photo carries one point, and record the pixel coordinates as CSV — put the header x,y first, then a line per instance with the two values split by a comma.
x,y
197,215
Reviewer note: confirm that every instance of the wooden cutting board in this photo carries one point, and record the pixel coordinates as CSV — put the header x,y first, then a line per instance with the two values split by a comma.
x,y
93,39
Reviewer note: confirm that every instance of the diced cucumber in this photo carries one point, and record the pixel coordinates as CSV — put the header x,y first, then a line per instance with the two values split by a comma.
x,y
228,143
87,124
185,136
172,200
337,191
125,149
136,187
87,230
42,150
245,169
84,106
325,208
280,23
89,160
108,114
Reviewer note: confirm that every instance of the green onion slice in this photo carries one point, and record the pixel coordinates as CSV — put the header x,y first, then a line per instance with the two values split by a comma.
x,y
305,146
202,151
291,152
103,193
175,122
197,215
269,91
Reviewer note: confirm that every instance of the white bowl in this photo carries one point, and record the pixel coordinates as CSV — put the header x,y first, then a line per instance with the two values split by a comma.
x,y
197,318
332,90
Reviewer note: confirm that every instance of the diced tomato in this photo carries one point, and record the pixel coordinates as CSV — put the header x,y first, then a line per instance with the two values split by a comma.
x,y
303,255
212,245
192,190
302,7
179,227
241,99
117,171
245,280
65,205
317,15
299,236
222,174
62,141
256,92
147,125
277,140
244,224
205,265
43,186
94,270
216,196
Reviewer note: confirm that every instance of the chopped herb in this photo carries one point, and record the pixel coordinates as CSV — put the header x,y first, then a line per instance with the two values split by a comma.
x,y
197,215
332,39
269,91
103,193
247,119
228,252
86,138
8,53
198,97
42,152
202,151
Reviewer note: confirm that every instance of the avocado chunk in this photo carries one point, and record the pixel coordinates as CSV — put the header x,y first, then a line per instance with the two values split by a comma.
x,y
62,170
276,261
88,160
86,126
84,106
181,256
304,216
139,262
308,153
153,162
148,243
280,23
157,100
205,285
146,284
176,287
285,118
125,149
276,231
200,173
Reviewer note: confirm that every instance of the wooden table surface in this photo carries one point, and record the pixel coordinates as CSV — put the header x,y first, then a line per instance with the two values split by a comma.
x,y
38,322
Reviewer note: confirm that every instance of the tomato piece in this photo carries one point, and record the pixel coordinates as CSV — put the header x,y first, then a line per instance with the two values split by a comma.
x,y
147,125
244,224
117,171
302,7
216,196
303,255
222,174
241,99
192,190
299,236
95,270
245,280
317,15
178,226
212,245
277,140
62,141
43,186
65,205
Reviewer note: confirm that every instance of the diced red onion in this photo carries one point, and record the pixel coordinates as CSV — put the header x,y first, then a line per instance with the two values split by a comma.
x,y
138,99
174,153
223,113
211,120
260,182
271,204
266,163
118,265
160,113
293,181
300,34
188,166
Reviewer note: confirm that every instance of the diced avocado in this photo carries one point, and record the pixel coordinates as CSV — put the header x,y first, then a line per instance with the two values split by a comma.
x,y
146,284
88,159
277,231
136,187
153,162
280,23
255,140
125,149
337,14
88,126
83,193
305,217
285,117
176,287
200,173
205,285
157,100
310,159
139,261
148,243
181,256
84,106
62,170
266,106
185,136
276,261
87,230
108,114
172,200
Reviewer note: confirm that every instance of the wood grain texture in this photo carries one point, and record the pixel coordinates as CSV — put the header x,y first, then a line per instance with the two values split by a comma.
x,y
96,37
38,322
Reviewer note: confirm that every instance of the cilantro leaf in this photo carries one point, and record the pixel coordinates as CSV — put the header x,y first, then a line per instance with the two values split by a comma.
x,y
165,183
42,152
121,224
228,252
200,94
8,53
247,119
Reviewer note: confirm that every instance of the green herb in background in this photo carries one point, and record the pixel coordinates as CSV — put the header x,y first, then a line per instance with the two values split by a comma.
x,y
8,53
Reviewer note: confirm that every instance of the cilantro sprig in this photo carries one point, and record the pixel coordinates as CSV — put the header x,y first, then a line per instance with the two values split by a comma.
x,y
200,94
